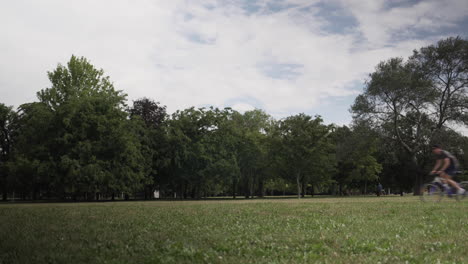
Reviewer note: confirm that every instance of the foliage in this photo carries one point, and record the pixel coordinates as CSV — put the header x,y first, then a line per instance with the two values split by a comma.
x,y
77,139
414,102
305,149
7,116
356,150
80,140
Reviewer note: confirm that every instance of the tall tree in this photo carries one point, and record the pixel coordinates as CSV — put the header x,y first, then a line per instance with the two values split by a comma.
x,y
153,139
302,147
189,131
252,150
356,150
6,119
152,113
224,149
85,144
445,65
31,167
414,100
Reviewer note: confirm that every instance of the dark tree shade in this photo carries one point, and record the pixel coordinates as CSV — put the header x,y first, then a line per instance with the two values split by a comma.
x,y
152,113
6,119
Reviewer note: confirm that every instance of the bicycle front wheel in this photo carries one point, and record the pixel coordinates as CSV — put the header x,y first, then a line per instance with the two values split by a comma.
x,y
431,193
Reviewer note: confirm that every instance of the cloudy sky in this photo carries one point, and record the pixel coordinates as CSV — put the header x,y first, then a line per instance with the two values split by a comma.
x,y
284,57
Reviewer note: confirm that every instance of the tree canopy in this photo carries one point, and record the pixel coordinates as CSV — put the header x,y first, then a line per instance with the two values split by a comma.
x,y
81,139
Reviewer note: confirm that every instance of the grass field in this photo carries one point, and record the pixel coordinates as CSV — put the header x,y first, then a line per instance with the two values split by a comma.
x,y
313,230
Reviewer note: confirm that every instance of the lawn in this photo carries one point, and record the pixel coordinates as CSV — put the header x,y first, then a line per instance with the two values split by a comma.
x,y
311,230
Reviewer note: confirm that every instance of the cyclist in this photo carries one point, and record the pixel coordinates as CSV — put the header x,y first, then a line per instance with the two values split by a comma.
x,y
446,166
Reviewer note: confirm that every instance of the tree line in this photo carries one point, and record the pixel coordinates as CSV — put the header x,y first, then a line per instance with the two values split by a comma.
x,y
81,140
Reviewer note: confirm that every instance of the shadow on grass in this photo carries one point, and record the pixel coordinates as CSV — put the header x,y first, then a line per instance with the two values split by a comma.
x,y
218,198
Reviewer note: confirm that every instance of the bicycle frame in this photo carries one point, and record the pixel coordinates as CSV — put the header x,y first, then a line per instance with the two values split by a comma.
x,y
438,187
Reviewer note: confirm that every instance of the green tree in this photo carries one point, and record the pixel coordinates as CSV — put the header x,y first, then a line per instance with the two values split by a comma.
x,y
7,116
356,151
224,150
189,131
252,151
31,167
82,141
413,101
445,65
303,145
153,140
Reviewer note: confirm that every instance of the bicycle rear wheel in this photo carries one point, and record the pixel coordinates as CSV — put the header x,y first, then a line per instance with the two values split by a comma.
x,y
464,185
431,193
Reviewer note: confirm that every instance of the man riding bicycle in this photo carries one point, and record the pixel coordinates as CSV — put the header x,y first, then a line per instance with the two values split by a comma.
x,y
446,166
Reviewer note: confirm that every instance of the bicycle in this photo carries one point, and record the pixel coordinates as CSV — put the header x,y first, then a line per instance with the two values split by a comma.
x,y
434,191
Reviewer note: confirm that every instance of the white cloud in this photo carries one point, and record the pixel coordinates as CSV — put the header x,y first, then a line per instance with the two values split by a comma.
x,y
243,107
195,53
380,26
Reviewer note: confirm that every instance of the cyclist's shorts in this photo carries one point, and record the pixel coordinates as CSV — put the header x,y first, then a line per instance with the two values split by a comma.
x,y
451,171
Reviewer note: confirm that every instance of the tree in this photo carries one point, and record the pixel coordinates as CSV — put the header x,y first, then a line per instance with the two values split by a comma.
x,y
356,150
252,151
78,138
7,116
224,149
153,140
189,132
302,147
413,101
152,113
31,167
445,65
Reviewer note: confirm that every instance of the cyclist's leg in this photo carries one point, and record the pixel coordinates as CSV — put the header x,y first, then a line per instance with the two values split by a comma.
x,y
449,180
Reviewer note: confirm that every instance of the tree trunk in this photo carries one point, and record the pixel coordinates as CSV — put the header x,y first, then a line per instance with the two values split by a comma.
x,y
251,187
113,197
234,188
4,189
63,195
261,190
192,193
246,187
418,181
299,187
304,190
185,196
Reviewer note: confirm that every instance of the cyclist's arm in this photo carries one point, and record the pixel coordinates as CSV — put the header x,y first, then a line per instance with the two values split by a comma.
x,y
446,164
437,165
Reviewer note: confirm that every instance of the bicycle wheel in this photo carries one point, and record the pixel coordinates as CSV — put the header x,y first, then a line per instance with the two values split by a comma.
x,y
464,185
431,193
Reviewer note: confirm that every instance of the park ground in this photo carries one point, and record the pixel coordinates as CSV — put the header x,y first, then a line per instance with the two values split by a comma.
x,y
311,230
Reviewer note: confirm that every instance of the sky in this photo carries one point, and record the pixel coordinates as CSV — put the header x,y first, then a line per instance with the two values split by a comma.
x,y
285,57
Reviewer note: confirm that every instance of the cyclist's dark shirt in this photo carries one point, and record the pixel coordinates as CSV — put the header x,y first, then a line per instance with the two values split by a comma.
x,y
445,154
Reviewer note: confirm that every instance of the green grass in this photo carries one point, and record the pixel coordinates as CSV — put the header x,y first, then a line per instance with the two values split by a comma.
x,y
313,230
